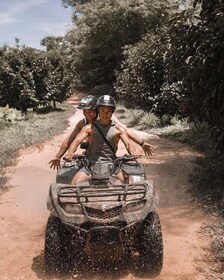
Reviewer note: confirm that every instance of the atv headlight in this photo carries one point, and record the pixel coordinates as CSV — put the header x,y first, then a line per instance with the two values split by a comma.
x,y
136,178
134,206
73,208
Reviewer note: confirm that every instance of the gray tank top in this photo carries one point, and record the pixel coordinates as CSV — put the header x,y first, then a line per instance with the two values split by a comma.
x,y
98,150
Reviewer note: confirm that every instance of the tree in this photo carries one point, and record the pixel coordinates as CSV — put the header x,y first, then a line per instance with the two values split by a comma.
x,y
59,79
201,56
58,84
52,42
102,31
17,85
142,73
153,70
30,78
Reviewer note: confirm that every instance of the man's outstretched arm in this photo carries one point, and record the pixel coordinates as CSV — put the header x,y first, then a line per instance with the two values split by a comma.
x,y
127,142
147,148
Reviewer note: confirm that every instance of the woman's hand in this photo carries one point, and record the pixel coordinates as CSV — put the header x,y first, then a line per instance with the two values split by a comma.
x,y
55,163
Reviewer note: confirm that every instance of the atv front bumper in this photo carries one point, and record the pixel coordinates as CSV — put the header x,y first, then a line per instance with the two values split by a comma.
x,y
78,205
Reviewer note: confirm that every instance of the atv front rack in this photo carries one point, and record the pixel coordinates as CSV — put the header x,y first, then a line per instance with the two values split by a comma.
x,y
85,194
102,204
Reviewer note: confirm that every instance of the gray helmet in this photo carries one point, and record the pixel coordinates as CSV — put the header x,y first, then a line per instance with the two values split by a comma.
x,y
87,102
106,100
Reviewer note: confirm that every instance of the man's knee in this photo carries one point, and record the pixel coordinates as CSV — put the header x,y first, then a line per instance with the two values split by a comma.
x,y
79,177
120,177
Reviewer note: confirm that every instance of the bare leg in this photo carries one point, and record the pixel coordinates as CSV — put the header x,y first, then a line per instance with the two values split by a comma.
x,y
120,177
79,177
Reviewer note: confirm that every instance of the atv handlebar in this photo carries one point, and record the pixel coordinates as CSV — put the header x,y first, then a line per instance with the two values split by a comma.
x,y
116,163
77,157
124,158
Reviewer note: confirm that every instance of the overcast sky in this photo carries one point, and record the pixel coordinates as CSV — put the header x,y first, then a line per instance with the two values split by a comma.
x,y
32,20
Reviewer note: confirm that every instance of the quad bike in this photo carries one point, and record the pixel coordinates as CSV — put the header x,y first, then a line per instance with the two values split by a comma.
x,y
104,219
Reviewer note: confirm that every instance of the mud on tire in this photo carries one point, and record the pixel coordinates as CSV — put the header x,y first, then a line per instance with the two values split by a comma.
x,y
55,245
150,259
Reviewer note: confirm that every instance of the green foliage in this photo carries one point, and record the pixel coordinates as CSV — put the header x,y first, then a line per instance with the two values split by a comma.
x,y
133,117
179,71
52,42
29,130
142,74
149,120
207,7
58,82
138,118
74,3
9,116
30,78
201,54
207,180
17,85
177,68
103,29
174,130
170,99
194,134
144,80
198,137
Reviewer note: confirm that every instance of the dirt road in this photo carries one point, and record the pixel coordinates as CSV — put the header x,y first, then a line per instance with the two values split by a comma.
x,y
23,213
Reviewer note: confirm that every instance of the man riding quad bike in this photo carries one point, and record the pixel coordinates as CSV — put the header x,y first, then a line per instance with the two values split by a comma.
x,y
96,217
103,220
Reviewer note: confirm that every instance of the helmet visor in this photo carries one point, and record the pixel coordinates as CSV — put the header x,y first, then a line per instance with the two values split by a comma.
x,y
84,106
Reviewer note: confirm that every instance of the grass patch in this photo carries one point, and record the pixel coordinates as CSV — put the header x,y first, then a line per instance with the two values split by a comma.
x,y
207,183
34,128
137,118
149,122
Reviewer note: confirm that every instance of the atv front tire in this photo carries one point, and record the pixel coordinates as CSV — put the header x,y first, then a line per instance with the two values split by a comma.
x,y
150,247
54,246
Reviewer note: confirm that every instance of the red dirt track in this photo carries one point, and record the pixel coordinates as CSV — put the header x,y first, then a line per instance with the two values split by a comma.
x,y
23,212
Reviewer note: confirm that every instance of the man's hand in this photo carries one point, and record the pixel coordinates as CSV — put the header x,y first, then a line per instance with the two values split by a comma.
x,y
147,148
54,163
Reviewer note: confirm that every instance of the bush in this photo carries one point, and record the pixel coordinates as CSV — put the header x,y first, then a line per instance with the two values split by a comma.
x,y
103,30
9,116
149,120
138,118
134,117
198,137
207,181
142,74
169,100
30,78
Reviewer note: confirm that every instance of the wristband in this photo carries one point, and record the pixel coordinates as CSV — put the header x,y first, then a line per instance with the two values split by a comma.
x,y
142,143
